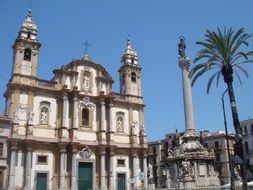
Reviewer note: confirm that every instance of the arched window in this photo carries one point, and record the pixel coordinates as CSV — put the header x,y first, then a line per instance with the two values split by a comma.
x,y
85,117
27,54
133,77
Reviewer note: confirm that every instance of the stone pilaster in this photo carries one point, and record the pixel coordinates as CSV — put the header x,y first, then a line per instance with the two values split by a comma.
x,y
102,170
65,113
62,167
75,117
12,166
74,173
112,129
28,168
145,171
135,169
103,122
112,172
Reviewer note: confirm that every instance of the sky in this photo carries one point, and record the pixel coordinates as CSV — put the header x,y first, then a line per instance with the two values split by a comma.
x,y
154,27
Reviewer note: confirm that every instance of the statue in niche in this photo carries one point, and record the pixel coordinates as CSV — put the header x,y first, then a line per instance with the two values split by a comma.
x,y
86,81
185,169
120,124
44,116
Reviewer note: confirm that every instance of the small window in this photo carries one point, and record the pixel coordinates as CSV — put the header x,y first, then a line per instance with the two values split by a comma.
x,y
120,162
41,159
1,149
27,54
28,35
245,130
133,77
85,117
154,150
216,145
217,156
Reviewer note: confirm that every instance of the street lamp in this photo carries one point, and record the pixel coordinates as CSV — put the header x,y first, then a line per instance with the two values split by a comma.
x,y
231,164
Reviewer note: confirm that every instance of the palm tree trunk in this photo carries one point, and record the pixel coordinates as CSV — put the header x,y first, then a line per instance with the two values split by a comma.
x,y
238,131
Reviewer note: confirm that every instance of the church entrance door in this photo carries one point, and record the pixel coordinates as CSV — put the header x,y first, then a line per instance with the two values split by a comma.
x,y
41,183
85,176
121,182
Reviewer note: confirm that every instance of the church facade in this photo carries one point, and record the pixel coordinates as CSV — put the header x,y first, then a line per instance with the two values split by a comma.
x,y
74,132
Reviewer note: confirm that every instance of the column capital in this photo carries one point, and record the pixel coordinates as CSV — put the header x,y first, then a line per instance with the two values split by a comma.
x,y
65,97
75,99
102,103
62,147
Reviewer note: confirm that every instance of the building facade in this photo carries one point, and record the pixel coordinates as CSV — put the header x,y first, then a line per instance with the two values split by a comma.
x,y
247,137
218,142
73,131
4,134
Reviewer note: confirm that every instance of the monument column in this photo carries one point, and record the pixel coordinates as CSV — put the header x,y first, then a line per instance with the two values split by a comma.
x,y
12,166
184,64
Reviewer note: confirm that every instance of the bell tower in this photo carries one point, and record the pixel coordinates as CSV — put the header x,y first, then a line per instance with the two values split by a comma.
x,y
26,49
130,72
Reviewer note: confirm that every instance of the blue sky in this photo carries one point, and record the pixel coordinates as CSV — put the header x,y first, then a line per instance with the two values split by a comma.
x,y
154,27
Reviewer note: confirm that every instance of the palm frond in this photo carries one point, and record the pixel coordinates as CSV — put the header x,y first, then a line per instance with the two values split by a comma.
x,y
242,70
238,77
210,81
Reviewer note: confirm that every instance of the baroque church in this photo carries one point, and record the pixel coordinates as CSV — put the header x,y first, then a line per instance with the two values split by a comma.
x,y
74,132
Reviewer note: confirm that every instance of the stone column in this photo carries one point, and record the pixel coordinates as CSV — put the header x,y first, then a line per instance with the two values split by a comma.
x,y
145,171
135,169
103,122
28,168
62,168
12,167
184,64
75,117
75,113
102,171
73,176
64,111
112,179
112,129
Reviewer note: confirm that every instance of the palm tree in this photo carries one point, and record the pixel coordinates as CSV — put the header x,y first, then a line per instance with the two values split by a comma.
x,y
222,52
